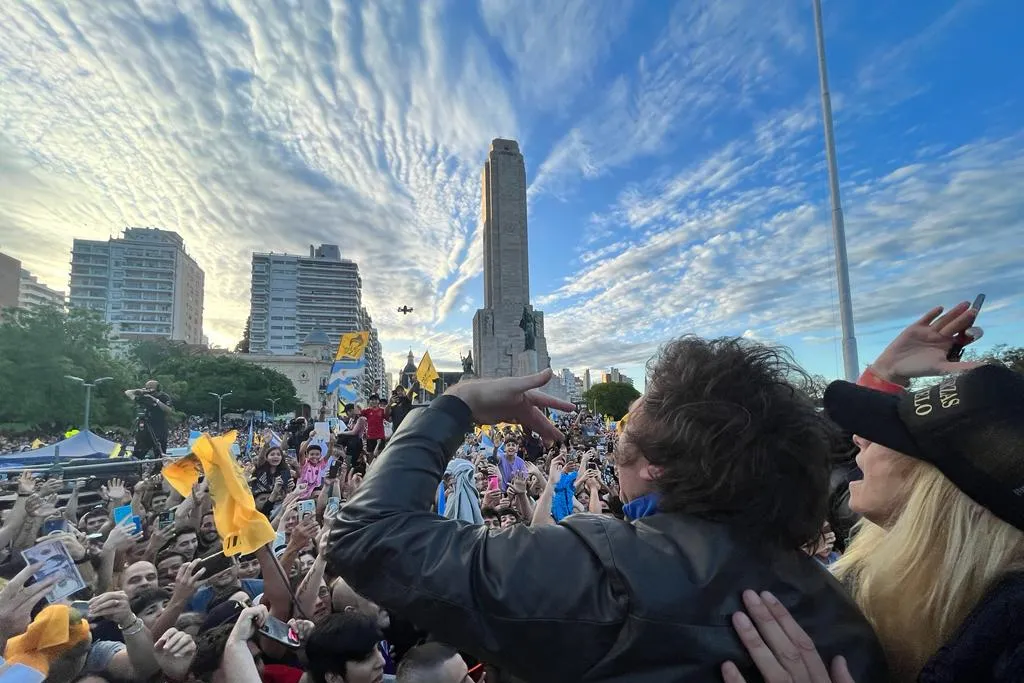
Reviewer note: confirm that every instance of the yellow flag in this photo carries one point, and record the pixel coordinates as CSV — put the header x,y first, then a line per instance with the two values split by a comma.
x,y
182,474
622,423
426,375
243,528
116,451
38,443
352,345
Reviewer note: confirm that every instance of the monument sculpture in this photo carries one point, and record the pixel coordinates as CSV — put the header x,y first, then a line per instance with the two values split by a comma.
x,y
529,326
508,334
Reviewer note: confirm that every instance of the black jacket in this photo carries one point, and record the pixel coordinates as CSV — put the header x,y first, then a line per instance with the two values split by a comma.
x,y
590,599
989,646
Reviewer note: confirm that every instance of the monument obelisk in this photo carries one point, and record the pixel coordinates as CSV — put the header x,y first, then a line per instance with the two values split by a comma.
x,y
508,334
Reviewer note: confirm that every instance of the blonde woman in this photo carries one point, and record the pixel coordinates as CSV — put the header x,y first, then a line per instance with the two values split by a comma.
x,y
937,562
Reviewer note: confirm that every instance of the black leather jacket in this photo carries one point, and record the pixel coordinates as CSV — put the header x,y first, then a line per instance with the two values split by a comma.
x,y
590,599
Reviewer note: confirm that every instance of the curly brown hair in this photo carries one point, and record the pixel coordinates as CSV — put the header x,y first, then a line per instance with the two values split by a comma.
x,y
736,440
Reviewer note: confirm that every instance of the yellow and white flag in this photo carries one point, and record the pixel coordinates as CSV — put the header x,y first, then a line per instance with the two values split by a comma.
x,y
426,374
352,345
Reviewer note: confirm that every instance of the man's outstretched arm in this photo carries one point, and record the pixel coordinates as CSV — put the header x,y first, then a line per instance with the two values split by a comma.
x,y
522,598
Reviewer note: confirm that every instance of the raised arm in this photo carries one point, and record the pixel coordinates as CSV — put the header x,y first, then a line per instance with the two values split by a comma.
x,y
542,511
474,589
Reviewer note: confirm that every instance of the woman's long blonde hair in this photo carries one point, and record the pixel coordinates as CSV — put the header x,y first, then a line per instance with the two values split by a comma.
x,y
917,580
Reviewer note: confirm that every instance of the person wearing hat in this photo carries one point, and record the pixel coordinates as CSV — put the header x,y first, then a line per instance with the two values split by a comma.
x,y
937,561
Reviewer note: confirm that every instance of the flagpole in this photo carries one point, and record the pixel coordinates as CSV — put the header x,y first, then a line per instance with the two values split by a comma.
x,y
850,363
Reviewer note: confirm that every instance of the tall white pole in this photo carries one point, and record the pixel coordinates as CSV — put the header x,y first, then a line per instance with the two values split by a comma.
x,y
850,364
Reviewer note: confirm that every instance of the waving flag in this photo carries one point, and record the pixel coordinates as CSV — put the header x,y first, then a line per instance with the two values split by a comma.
x,y
352,346
426,374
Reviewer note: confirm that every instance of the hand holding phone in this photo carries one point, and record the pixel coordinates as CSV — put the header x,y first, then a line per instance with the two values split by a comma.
x,y
279,631
125,512
956,351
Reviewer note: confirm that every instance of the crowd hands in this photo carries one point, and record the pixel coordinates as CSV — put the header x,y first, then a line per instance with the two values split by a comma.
x,y
155,612
164,603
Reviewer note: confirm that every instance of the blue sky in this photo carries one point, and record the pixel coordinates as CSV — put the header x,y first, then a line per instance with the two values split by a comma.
x,y
674,156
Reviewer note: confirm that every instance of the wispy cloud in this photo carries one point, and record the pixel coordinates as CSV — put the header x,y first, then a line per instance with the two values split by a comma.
x,y
555,46
252,127
711,55
748,257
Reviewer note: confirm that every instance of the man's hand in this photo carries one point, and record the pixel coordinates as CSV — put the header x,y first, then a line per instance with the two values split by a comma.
x,y
16,601
555,469
174,652
26,484
518,486
353,480
116,490
114,606
248,625
75,549
187,581
512,399
303,533
36,506
920,350
302,629
491,498
122,536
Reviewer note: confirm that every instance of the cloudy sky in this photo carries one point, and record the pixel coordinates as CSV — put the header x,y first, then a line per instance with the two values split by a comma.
x,y
674,157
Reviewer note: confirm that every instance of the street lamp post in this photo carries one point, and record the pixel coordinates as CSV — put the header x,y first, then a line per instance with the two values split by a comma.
x,y
88,394
220,408
273,405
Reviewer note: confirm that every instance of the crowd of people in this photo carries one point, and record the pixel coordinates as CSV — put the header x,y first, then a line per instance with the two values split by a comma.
x,y
724,529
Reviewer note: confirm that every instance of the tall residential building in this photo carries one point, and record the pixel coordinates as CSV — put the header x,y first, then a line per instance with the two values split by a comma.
x,y
143,283
586,380
617,376
32,293
21,289
10,281
294,295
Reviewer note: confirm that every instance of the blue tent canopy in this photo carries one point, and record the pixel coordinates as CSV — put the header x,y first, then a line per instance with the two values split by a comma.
x,y
81,445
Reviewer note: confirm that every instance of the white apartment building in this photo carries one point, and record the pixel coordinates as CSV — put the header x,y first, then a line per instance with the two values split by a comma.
x,y
32,293
143,283
295,295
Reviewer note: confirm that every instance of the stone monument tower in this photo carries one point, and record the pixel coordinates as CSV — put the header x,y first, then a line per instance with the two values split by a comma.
x,y
508,334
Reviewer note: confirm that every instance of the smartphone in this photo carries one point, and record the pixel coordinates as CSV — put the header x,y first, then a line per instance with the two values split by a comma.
x,y
956,351
279,631
333,504
165,519
125,512
493,484
215,564
332,473
307,508
51,526
82,607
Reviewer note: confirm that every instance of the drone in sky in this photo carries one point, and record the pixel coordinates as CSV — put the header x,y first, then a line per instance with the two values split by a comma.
x,y
405,310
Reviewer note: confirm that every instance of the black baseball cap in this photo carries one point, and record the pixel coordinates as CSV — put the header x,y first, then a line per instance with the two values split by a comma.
x,y
970,426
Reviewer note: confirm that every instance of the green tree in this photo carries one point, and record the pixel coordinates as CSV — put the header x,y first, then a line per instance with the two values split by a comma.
x,y
611,398
243,345
38,348
189,379
1010,356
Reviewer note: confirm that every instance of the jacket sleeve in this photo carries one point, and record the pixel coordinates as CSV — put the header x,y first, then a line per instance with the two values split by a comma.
x,y
537,602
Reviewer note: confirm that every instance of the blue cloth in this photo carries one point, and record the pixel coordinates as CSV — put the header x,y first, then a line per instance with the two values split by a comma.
x,y
440,499
641,507
565,491
465,502
201,600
